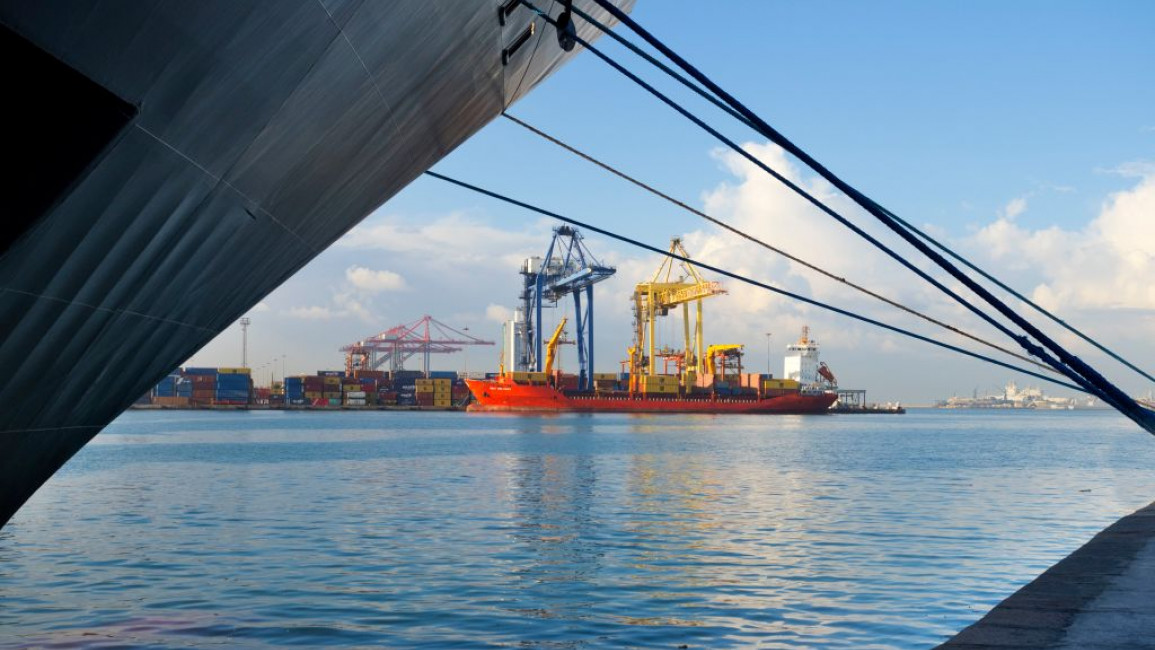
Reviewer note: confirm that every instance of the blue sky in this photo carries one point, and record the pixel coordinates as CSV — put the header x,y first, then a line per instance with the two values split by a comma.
x,y
1023,133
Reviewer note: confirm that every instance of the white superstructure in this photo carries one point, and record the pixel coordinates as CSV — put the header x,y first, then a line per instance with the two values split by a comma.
x,y
801,363
516,343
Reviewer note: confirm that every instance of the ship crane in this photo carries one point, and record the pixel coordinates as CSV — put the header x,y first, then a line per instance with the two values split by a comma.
x,y
568,268
426,336
668,289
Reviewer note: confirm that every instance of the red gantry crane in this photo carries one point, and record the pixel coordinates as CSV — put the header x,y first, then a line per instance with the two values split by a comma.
x,y
391,348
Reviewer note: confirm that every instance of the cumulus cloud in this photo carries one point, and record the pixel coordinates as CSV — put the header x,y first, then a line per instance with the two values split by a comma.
x,y
314,312
1014,208
498,313
1109,263
373,281
763,207
454,239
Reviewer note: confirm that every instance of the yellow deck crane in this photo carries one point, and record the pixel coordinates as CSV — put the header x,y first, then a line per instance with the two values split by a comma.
x,y
675,283
551,347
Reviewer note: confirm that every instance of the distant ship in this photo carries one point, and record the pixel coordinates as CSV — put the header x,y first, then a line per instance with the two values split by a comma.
x,y
506,393
177,161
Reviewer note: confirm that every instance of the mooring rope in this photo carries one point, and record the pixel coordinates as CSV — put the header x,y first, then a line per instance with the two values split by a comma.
x,y
767,246
745,279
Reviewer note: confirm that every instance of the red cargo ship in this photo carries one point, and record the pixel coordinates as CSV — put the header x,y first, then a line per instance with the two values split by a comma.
x,y
504,394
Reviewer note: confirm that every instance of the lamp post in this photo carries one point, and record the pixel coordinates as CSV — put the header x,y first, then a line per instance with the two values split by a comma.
x,y
466,371
245,341
768,335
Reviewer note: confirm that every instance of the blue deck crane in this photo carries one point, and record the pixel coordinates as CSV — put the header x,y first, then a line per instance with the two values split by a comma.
x,y
568,268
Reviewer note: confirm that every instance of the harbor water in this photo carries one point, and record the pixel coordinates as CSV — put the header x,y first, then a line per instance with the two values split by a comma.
x,y
406,529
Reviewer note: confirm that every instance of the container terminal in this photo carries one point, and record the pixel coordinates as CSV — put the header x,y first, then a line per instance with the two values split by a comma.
x,y
696,378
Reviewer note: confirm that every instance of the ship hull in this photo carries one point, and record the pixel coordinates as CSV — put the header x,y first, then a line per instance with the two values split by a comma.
x,y
502,396
180,160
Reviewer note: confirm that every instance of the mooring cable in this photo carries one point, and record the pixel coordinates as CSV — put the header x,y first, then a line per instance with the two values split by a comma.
x,y
1037,307
673,74
763,244
1026,343
747,280
1071,365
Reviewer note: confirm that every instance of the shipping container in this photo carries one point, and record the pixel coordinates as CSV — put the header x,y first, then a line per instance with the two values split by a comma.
x,y
528,377
233,371
340,374
780,384
355,402
369,374
443,374
200,371
605,376
355,394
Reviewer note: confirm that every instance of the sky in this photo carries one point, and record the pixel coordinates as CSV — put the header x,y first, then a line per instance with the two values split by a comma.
x,y
1020,134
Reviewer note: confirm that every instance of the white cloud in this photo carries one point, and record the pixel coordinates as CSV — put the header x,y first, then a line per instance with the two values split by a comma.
x,y
372,281
498,313
455,239
314,312
1014,208
1109,263
260,307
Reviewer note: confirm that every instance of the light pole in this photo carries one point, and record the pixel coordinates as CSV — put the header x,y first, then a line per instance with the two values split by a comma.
x,y
466,371
768,335
245,341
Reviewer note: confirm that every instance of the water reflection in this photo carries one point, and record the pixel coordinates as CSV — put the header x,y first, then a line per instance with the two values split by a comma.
x,y
444,530
556,530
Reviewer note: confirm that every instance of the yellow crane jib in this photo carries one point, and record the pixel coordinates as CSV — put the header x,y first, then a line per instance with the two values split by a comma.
x,y
551,347
689,293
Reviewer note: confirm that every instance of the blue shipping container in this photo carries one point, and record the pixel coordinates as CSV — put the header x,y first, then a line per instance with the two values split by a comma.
x,y
200,371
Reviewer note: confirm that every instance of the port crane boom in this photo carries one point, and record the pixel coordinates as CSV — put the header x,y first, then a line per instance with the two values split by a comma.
x,y
668,289
391,348
568,269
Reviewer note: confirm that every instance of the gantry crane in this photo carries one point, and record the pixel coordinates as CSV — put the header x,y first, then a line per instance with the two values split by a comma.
x,y
568,268
663,292
425,336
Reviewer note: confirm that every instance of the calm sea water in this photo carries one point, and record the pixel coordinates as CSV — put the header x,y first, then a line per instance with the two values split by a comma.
x,y
466,530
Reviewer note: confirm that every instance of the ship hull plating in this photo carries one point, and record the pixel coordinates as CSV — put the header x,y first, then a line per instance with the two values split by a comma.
x,y
504,396
229,143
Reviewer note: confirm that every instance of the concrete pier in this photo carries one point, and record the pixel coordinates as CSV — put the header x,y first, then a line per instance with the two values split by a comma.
x,y
1101,596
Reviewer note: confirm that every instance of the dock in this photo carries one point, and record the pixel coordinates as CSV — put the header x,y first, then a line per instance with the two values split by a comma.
x,y
1101,596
